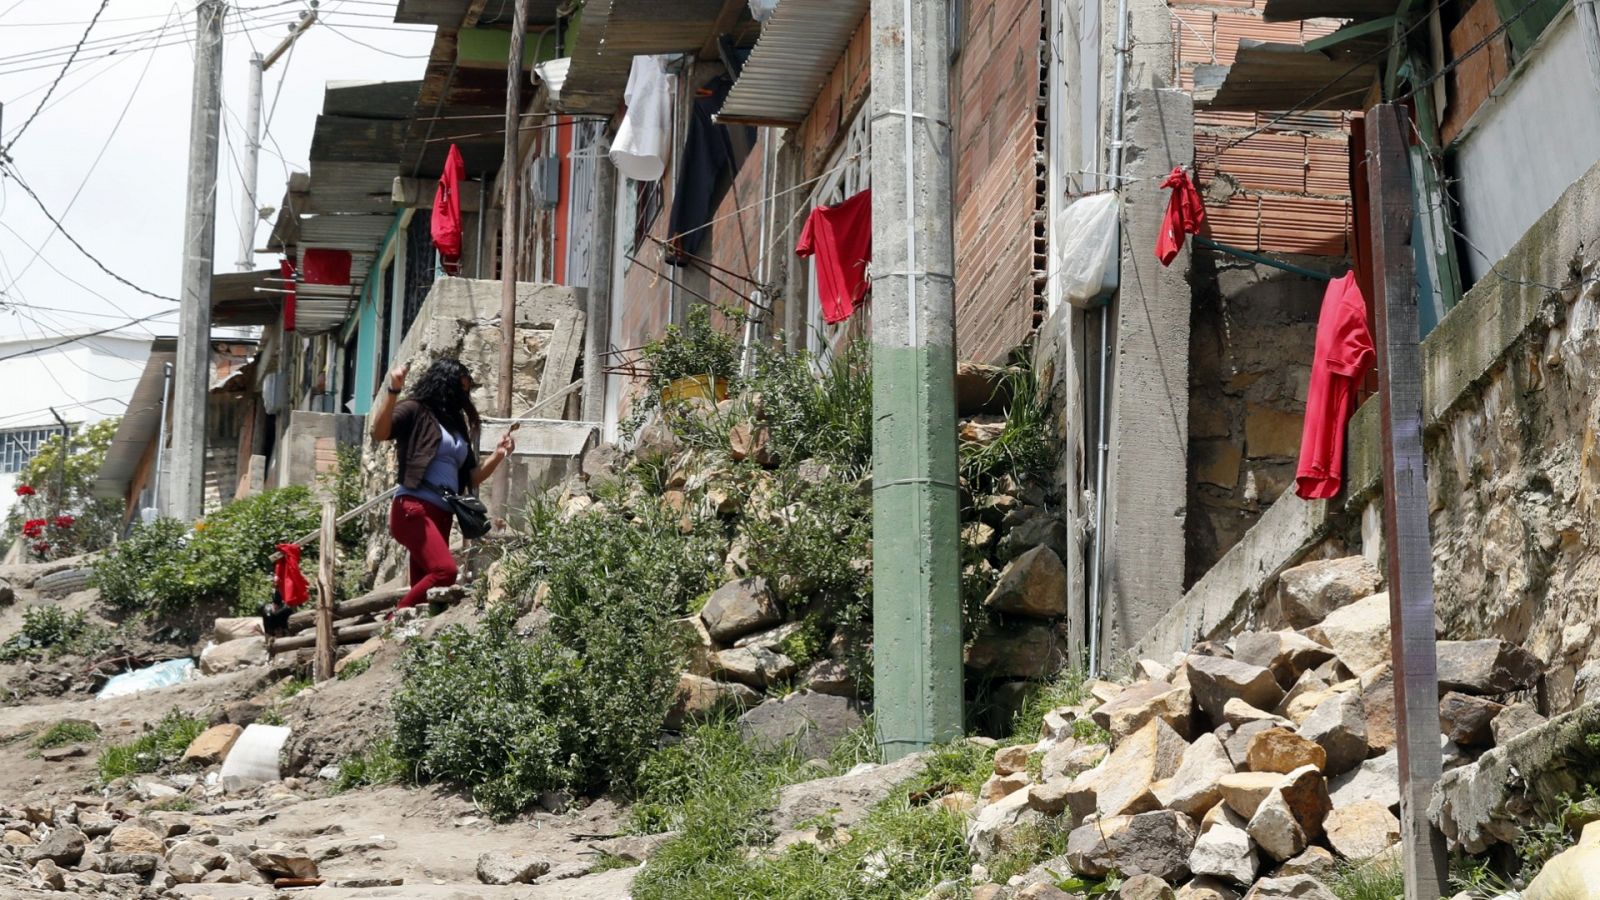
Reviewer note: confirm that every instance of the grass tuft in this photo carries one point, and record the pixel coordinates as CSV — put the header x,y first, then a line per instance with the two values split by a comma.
x,y
65,733
375,765
1376,879
158,747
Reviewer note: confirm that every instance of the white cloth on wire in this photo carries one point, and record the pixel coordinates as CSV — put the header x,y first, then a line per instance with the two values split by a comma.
x,y
640,148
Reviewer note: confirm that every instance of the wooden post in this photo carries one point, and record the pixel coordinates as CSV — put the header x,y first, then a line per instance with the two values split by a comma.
x,y
1405,501
327,552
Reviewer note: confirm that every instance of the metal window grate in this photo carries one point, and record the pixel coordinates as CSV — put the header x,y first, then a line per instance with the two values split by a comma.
x,y
420,267
19,445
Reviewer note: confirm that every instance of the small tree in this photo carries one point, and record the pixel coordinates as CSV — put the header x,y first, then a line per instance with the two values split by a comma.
x,y
56,512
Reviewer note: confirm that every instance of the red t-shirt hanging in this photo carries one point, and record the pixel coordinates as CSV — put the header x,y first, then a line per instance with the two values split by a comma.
x,y
840,237
446,225
292,587
1344,354
1186,214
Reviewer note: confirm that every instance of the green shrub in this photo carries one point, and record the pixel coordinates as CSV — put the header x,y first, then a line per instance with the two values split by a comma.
x,y
694,348
716,791
375,765
163,566
815,409
52,630
355,668
580,706
66,733
1068,689
1023,449
294,686
60,497
156,748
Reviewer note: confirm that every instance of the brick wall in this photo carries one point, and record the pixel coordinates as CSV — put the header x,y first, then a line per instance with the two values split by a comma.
x,y
1285,190
995,89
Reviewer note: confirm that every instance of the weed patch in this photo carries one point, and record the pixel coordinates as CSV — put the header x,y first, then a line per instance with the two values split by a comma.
x,y
66,733
150,752
1377,879
52,631
355,668
377,764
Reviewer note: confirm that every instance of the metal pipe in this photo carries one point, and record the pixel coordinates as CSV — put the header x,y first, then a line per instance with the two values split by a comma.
x,y
252,153
483,214
161,437
764,231
1097,591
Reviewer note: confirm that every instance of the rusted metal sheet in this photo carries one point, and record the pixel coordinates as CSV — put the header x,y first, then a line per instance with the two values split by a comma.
x,y
795,54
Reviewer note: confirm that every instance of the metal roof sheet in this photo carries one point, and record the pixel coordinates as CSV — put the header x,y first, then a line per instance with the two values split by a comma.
x,y
140,424
797,50
615,31
1267,76
371,99
235,300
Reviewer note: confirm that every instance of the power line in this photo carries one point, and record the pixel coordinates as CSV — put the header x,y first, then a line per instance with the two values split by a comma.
x,y
9,170
64,68
52,267
88,334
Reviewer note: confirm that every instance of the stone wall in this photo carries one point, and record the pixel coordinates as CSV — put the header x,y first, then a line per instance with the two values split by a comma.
x,y
1252,337
461,318
1511,394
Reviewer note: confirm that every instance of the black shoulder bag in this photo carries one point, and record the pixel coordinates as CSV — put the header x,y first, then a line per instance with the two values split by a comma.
x,y
470,512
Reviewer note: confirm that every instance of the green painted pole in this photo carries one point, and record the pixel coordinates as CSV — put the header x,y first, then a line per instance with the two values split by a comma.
x,y
916,592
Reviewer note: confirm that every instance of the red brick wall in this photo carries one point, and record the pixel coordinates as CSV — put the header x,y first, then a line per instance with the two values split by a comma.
x,y
842,95
995,89
1287,189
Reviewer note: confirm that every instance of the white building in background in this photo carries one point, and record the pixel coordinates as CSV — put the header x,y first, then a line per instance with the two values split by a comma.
x,y
86,380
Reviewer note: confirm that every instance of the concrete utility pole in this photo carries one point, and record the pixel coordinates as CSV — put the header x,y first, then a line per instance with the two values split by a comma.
x,y
249,210
597,324
1405,502
916,584
193,385
510,168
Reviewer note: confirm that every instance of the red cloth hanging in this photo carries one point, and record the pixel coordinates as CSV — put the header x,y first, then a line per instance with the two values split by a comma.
x,y
1344,355
324,265
1186,214
840,237
446,225
287,579
286,269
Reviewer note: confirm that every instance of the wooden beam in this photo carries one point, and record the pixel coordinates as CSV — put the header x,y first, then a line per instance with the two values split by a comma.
x,y
378,601
327,646
474,13
1409,548
731,10
353,634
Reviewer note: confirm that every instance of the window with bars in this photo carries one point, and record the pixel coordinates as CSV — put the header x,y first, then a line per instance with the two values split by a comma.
x,y
19,445
420,267
849,172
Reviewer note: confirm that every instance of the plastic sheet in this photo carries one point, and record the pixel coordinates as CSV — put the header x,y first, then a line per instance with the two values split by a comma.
x,y
149,678
1087,233
761,10
253,761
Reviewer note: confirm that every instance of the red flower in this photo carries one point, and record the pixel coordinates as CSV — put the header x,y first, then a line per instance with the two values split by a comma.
x,y
64,522
33,527
24,490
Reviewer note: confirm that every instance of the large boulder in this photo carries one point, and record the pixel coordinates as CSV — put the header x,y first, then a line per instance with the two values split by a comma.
x,y
1516,719
1465,719
843,800
1131,709
232,656
1309,592
1281,750
739,608
1215,680
1375,779
1153,843
63,846
1486,667
1288,654
1196,786
699,697
1358,633
212,745
1338,725
1362,830
1032,650
1291,887
757,667
1291,816
813,722
1034,584
1225,851
1126,780
500,867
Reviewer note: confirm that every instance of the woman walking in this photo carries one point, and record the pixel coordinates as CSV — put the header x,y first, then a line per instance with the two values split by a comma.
x,y
434,429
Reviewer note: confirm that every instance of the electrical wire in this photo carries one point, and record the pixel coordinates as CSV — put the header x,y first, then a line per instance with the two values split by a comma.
x,y
339,31
68,65
90,334
9,170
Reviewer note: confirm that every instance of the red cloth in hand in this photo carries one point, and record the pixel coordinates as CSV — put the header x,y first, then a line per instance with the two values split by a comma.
x,y
1344,355
1186,214
840,237
287,578
446,224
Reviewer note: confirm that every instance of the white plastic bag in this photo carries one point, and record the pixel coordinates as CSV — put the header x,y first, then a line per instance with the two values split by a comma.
x,y
1087,231
253,759
160,675
761,10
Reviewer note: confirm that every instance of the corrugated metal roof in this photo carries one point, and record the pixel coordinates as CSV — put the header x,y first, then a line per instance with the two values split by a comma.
x,y
235,300
1287,76
614,31
140,424
797,50
1285,10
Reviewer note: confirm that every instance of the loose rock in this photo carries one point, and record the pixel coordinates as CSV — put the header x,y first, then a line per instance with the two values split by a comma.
x,y
1215,681
740,607
1034,584
498,867
1309,592
1152,843
1466,719
1281,750
1362,830
1226,852
1338,725
1486,667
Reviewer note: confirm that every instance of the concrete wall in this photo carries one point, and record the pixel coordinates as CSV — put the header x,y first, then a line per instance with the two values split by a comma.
x,y
1511,394
1252,338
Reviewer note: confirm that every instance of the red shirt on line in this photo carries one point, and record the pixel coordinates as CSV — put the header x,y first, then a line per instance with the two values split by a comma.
x,y
840,237
1344,354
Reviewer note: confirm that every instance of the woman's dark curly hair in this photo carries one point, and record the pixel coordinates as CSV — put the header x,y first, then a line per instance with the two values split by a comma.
x,y
439,389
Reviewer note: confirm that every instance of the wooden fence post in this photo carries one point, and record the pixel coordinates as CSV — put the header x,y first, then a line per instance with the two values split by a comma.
x,y
327,552
1405,501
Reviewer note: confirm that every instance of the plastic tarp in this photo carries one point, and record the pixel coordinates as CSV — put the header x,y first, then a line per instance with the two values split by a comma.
x,y
1087,234
149,678
253,761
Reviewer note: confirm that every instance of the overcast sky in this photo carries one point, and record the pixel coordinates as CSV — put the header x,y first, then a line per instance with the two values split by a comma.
x,y
115,133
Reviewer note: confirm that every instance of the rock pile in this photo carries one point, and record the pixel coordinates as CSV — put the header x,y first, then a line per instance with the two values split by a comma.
x,y
1251,767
